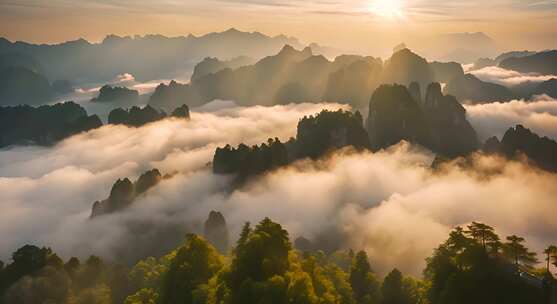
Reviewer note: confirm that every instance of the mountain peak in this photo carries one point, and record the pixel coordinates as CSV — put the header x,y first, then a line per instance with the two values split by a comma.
x,y
232,30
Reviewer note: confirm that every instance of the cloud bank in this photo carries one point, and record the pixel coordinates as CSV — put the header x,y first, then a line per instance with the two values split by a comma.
x,y
493,119
509,78
389,203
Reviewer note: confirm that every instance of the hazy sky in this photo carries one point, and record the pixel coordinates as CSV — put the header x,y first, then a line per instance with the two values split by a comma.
x,y
349,23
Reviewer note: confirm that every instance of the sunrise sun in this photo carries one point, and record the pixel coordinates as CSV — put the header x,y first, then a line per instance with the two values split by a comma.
x,y
387,8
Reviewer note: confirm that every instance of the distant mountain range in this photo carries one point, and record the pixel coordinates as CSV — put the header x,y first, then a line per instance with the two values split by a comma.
x,y
301,76
253,68
460,47
146,57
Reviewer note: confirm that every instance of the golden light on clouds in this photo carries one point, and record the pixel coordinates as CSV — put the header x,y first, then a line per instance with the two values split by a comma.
x,y
389,9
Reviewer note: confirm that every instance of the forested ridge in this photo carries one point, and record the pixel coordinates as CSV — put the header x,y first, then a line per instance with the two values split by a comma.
x,y
474,265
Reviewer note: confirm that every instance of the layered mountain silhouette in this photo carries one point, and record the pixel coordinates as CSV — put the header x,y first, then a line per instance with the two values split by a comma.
x,y
470,88
396,113
124,193
544,63
137,116
44,125
437,121
146,57
547,87
19,85
216,232
212,65
113,93
300,76
316,136
486,62
459,47
22,81
520,140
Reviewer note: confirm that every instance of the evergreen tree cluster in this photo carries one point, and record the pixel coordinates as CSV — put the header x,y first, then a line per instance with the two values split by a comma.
x,y
475,266
316,135
137,117
122,94
44,125
472,266
247,161
38,275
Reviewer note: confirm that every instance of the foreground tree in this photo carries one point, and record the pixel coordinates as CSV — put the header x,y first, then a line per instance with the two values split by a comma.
x,y
195,263
515,250
363,281
471,270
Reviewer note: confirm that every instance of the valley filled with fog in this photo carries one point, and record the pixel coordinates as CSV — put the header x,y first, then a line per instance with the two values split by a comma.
x,y
240,167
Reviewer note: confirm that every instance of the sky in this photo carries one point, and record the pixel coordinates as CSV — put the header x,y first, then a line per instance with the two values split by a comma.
x,y
345,24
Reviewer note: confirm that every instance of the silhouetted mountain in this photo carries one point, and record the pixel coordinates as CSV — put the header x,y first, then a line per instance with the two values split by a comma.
x,y
289,76
483,63
405,67
394,116
111,94
181,112
212,65
20,60
62,87
471,89
44,125
299,76
416,92
487,62
437,122
459,47
354,82
399,47
124,192
513,54
316,136
492,146
542,63
247,161
452,134
540,150
216,231
444,72
547,87
146,57
22,86
135,117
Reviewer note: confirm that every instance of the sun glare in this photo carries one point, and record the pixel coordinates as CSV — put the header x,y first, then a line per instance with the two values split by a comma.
x,y
387,8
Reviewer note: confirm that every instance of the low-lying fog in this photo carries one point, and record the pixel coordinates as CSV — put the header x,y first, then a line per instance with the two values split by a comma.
x,y
390,203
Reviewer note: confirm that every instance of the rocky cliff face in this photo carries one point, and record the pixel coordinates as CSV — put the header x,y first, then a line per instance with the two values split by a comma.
x,y
124,193
437,121
112,94
216,231
394,116
541,150
468,88
452,134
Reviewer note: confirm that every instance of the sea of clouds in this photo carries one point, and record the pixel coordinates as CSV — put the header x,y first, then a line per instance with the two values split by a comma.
x,y
509,78
390,203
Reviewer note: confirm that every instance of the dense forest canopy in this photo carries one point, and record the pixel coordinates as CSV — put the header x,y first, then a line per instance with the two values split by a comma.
x,y
472,266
